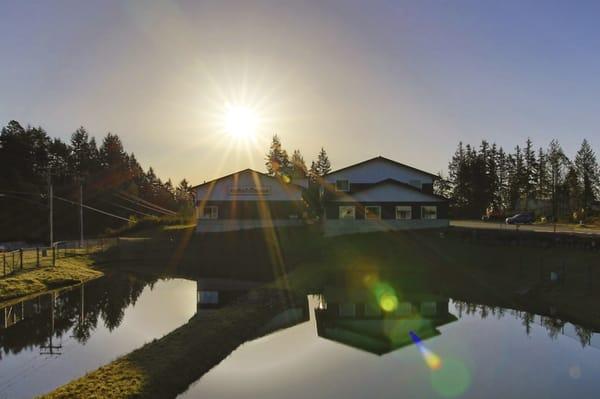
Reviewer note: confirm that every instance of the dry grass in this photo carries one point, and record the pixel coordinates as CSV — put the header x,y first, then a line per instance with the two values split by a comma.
x,y
68,271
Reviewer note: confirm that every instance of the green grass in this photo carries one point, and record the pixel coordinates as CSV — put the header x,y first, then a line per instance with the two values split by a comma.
x,y
68,271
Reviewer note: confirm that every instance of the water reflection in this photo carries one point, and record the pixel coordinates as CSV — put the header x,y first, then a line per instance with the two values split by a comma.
x,y
50,339
355,318
423,343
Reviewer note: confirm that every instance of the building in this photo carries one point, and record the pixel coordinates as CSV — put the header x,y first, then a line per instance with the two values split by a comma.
x,y
248,199
380,194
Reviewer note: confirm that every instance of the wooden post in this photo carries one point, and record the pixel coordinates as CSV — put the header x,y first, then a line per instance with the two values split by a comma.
x,y
21,257
53,255
37,257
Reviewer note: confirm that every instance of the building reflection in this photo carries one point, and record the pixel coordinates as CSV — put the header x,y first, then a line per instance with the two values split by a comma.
x,y
355,318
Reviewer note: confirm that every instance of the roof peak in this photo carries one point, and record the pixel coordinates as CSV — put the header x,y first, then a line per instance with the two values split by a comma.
x,y
382,158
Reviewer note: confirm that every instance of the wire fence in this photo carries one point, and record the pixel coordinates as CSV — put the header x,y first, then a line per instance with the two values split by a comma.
x,y
38,257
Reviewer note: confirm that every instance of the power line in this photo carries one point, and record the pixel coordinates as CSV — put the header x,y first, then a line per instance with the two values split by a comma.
x,y
131,197
92,208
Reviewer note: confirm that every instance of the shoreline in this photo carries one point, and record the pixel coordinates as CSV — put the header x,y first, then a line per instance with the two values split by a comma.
x,y
67,272
167,366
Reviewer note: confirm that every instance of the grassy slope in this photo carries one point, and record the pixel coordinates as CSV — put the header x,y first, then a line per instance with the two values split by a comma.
x,y
67,271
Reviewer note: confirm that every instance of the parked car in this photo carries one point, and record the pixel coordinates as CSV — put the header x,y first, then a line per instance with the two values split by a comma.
x,y
520,218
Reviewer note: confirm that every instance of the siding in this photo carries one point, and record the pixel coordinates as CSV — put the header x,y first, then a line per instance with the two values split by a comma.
x,y
246,210
378,170
220,190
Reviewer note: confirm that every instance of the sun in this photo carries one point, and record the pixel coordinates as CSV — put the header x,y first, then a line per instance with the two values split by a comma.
x,y
241,122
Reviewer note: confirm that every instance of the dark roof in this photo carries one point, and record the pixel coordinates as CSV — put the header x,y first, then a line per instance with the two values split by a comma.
x,y
367,186
380,158
237,173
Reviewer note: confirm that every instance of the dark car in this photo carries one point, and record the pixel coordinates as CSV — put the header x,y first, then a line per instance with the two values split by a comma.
x,y
520,218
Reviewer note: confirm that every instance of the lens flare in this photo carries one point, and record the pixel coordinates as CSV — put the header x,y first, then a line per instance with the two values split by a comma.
x,y
433,361
386,296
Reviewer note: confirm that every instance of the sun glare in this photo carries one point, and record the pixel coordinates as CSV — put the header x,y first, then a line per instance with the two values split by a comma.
x,y
241,122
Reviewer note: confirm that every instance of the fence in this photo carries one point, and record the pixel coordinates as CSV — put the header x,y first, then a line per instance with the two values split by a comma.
x,y
31,258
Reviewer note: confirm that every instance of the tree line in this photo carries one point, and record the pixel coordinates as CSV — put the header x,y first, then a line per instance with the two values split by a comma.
x,y
544,181
112,179
278,163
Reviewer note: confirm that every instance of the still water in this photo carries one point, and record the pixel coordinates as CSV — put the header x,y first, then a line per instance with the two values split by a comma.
x,y
53,338
429,346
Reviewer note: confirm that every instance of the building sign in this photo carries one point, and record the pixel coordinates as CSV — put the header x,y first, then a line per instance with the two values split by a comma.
x,y
249,190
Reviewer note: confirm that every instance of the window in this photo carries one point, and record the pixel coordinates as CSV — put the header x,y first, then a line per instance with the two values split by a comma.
x,y
347,212
404,212
372,212
342,185
429,212
210,212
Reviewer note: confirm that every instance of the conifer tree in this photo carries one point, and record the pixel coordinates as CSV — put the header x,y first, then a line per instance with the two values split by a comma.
x,y
588,174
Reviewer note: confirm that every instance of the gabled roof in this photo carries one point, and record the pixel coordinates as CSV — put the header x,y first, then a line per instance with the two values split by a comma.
x,y
380,158
366,187
240,172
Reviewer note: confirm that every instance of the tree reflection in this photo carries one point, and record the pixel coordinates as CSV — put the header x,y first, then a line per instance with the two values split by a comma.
x,y
77,311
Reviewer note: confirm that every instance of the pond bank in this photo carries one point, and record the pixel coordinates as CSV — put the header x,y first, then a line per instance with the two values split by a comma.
x,y
68,271
165,367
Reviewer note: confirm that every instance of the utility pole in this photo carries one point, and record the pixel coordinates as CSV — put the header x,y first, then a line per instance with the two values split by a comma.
x,y
50,205
80,213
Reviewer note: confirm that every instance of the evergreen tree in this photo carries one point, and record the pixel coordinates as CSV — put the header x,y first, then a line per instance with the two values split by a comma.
x,y
542,184
558,164
501,194
588,174
323,165
277,160
530,172
299,170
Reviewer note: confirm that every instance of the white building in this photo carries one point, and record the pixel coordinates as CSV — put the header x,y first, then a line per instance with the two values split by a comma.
x,y
247,199
380,194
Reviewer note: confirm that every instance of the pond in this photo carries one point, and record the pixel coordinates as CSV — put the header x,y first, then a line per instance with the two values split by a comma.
x,y
51,339
418,344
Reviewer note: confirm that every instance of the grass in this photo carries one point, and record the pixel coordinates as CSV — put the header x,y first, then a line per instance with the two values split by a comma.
x,y
165,367
68,271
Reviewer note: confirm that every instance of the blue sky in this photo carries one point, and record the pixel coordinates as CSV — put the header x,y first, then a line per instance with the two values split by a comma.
x,y
406,80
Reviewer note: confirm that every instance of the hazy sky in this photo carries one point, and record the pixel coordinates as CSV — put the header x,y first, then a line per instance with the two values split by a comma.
x,y
406,80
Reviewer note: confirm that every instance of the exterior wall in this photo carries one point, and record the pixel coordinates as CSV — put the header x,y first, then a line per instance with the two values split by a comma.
x,y
379,170
248,185
219,226
341,227
248,210
388,209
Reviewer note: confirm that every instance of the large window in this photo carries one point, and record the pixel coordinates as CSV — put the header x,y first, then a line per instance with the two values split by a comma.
x,y
210,212
342,185
373,212
404,212
429,212
347,212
